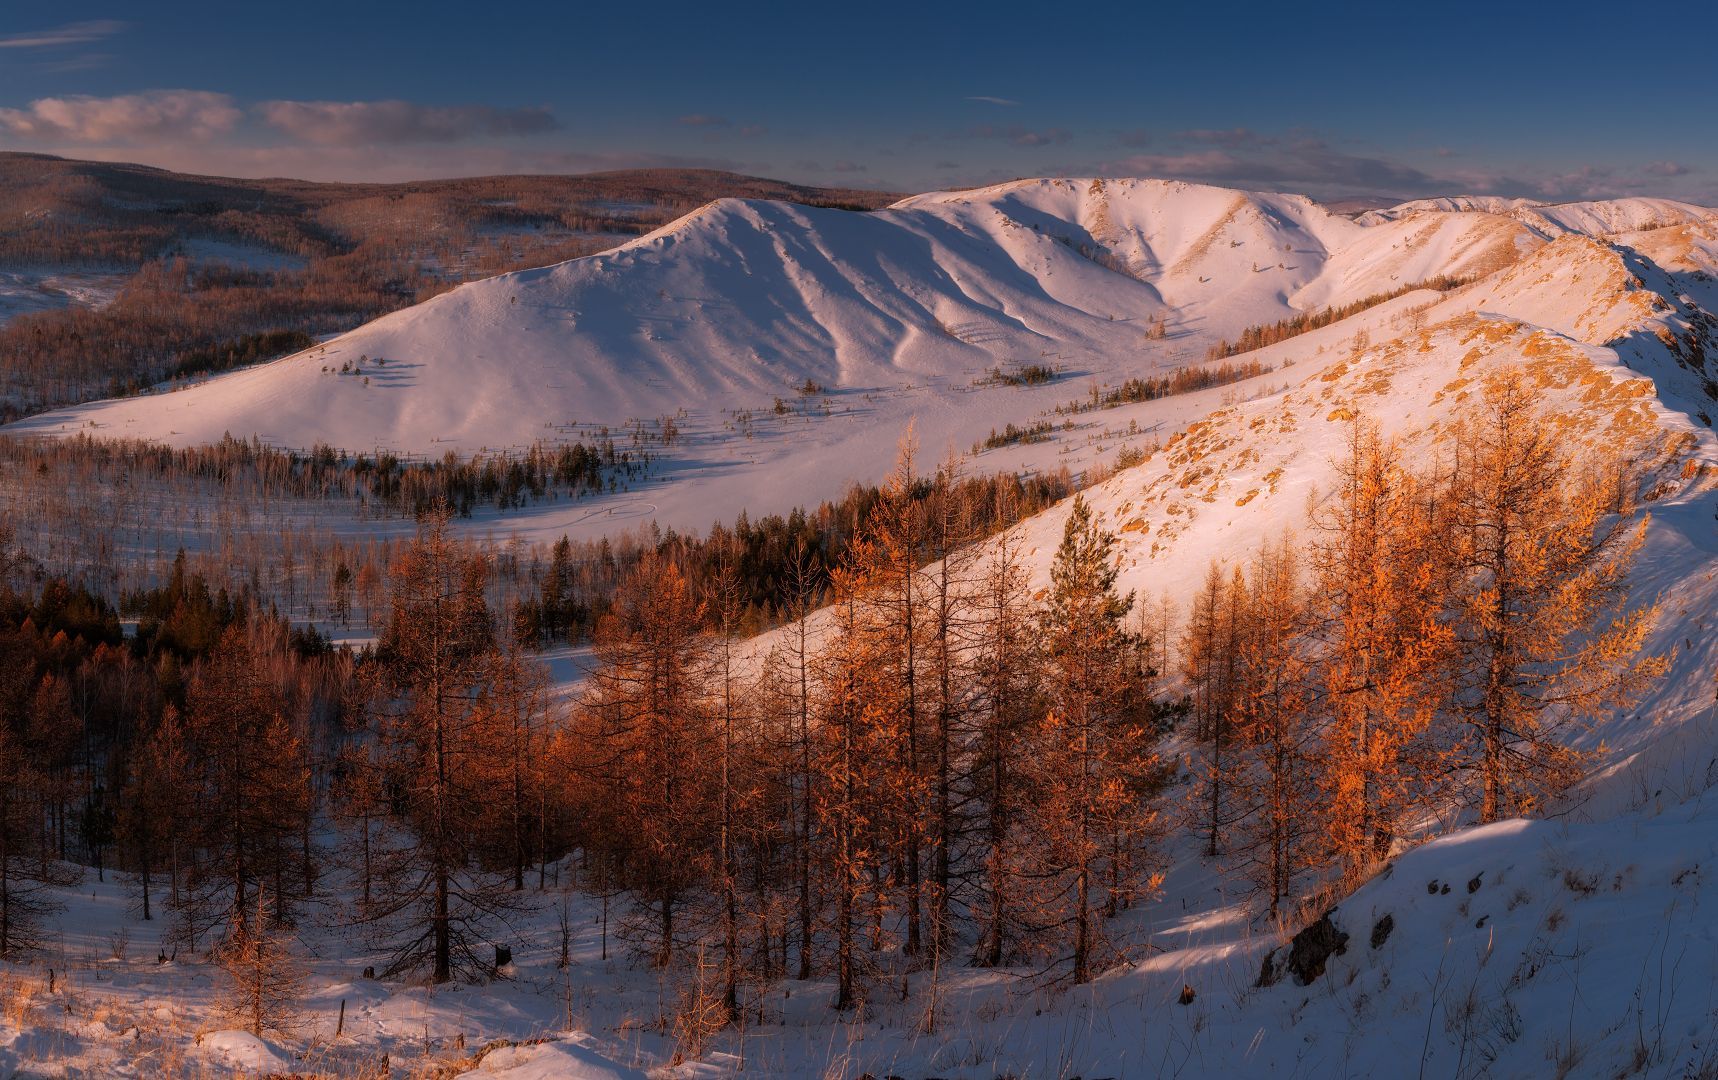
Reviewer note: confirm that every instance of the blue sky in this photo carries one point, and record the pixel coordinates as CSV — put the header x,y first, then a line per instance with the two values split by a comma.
x,y
1552,101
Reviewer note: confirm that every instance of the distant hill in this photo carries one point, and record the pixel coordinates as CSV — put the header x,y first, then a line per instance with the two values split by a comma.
x,y
111,273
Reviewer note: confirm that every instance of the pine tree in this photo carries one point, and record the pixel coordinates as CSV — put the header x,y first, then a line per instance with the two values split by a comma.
x,y
1543,640
1382,571
1273,765
1094,748
1005,701
436,659
650,694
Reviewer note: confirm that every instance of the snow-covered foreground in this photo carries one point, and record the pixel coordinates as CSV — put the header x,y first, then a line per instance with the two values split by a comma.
x,y
1577,945
1523,949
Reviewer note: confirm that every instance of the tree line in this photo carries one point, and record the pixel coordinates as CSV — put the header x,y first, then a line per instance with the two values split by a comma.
x,y
1258,337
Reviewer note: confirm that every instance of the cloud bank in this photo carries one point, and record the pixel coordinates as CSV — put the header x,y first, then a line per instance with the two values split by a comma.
x,y
153,116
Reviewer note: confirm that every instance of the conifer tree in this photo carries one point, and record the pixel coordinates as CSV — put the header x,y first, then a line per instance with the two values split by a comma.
x,y
57,742
28,874
726,602
264,983
1209,654
1273,766
249,794
949,586
1544,544
340,594
1097,771
798,675
510,710
435,897
1004,704
156,809
1381,562
896,618
651,689
843,801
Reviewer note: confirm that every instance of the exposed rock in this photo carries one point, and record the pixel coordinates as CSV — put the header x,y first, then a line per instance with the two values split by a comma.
x,y
1309,952
1381,929
1313,947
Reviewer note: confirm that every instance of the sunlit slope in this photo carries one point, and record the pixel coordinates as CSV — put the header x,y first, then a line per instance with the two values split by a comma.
x,y
1596,217
743,301
1619,348
1572,945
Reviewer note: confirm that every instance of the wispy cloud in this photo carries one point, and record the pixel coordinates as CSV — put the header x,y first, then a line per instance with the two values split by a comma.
x,y
155,115
989,100
1316,170
1299,163
362,123
59,37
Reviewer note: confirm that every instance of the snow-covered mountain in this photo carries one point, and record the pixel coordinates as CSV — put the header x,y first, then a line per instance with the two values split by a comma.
x,y
1593,218
893,315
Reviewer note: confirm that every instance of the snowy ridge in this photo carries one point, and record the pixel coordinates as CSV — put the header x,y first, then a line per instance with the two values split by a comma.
x,y
888,316
1602,217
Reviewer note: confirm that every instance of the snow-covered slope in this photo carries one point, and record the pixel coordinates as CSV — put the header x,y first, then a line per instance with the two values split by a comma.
x,y
1571,946
1602,217
893,315
1619,353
